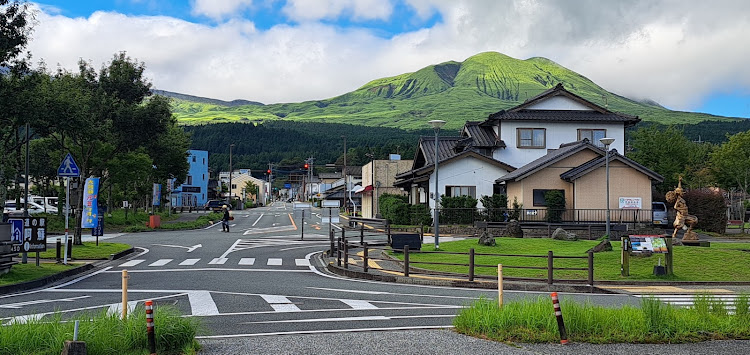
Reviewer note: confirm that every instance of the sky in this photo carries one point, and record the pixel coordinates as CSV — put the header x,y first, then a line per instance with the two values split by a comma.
x,y
688,55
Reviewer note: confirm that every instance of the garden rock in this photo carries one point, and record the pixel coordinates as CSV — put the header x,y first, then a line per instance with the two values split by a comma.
x,y
561,234
513,229
487,239
604,245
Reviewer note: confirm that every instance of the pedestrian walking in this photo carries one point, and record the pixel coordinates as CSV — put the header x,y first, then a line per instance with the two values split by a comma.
x,y
225,219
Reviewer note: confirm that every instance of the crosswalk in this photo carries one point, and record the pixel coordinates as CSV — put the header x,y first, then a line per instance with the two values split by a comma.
x,y
688,300
217,261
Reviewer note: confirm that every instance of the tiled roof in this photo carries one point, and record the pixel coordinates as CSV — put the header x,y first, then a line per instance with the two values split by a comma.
x,y
482,136
565,150
566,115
445,148
598,162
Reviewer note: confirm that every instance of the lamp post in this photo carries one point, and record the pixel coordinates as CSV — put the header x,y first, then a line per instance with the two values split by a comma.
x,y
607,142
436,125
229,195
372,183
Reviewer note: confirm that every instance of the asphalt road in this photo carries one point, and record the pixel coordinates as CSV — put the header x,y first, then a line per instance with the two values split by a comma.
x,y
260,289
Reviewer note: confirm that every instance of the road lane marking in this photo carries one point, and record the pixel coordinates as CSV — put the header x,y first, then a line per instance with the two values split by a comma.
x,y
247,261
132,263
189,261
280,303
258,220
341,319
189,249
28,303
218,261
359,304
202,304
161,262
274,262
302,262
323,331
116,308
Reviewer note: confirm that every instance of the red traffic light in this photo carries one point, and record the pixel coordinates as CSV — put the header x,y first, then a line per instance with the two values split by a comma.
x,y
307,166
268,171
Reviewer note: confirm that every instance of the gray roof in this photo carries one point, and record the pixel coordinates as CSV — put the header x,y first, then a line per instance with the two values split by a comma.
x,y
599,162
445,148
551,157
482,136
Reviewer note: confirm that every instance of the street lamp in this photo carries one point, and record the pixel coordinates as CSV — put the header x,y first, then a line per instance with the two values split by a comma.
x,y
607,142
436,125
229,195
372,183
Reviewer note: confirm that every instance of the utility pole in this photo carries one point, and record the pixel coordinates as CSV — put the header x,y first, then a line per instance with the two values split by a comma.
x,y
346,183
229,197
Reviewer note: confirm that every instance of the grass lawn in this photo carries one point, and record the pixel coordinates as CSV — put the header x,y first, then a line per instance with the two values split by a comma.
x,y
720,262
28,272
88,251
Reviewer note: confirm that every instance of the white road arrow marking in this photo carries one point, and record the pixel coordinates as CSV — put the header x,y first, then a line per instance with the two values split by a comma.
x,y
189,249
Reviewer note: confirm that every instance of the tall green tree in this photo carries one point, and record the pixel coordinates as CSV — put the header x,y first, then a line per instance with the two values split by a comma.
x,y
731,162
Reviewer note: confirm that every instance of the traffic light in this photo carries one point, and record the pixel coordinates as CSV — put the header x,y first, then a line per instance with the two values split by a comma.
x,y
307,166
268,171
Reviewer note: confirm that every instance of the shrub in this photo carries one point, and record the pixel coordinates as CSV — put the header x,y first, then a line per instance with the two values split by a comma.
x,y
515,212
555,205
457,209
496,207
709,207
394,208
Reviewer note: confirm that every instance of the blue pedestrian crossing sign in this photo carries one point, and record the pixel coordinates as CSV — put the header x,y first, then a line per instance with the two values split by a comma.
x,y
68,167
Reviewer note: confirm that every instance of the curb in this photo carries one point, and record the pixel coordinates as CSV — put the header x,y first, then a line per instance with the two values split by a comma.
x,y
29,285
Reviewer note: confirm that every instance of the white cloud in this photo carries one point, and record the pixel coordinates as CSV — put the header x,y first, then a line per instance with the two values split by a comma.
x,y
312,10
219,9
674,51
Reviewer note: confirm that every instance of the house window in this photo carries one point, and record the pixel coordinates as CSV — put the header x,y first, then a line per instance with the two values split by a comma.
x,y
189,180
453,191
234,186
539,200
531,138
593,135
193,158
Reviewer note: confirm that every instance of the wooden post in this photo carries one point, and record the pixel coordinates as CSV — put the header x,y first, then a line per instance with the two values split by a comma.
x,y
346,254
668,258
338,252
500,285
591,268
125,294
550,267
471,264
625,257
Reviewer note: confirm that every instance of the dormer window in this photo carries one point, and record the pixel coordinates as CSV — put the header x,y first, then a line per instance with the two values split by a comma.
x,y
535,138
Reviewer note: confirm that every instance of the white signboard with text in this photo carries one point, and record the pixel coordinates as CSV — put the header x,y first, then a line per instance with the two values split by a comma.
x,y
631,203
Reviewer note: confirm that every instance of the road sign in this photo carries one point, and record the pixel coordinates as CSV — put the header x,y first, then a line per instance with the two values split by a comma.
x,y
68,167
32,233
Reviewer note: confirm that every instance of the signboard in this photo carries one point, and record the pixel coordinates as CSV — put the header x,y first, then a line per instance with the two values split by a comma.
x,y
98,231
90,203
157,195
630,203
68,167
191,189
331,203
300,208
33,235
287,186
643,243
125,204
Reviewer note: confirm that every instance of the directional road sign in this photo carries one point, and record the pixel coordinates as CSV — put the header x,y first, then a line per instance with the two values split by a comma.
x,y
68,167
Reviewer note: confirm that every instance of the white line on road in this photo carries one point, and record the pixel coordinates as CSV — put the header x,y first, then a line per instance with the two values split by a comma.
x,y
81,278
302,262
27,303
189,261
342,319
161,262
218,261
116,308
359,304
324,331
258,220
213,225
132,263
274,262
275,299
202,304
247,261
231,249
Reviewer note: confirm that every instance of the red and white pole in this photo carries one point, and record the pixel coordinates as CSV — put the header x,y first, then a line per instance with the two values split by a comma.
x,y
558,315
150,326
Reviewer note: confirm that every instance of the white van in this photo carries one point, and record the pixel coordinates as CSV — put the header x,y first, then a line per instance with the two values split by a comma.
x,y
49,203
659,213
34,208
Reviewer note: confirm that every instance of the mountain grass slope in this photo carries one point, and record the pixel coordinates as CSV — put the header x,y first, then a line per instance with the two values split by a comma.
x,y
452,91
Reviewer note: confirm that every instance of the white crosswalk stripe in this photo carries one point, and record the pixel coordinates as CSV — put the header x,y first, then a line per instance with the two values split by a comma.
x,y
275,262
132,263
247,261
688,300
302,262
218,261
161,262
190,261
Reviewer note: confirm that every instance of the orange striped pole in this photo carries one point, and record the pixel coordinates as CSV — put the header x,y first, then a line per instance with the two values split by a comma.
x,y
150,326
558,315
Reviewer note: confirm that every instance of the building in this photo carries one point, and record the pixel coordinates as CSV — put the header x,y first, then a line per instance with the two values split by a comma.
x,y
193,192
239,188
378,177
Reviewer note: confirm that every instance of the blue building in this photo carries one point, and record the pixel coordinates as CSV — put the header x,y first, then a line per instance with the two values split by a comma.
x,y
194,190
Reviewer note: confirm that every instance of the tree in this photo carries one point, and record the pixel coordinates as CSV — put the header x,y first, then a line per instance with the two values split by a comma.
x,y
731,163
668,153
15,30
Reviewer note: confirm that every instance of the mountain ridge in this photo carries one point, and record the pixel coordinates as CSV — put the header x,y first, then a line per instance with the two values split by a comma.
x,y
452,91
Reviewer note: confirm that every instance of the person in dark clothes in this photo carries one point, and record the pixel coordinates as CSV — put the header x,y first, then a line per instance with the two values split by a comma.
x,y
225,219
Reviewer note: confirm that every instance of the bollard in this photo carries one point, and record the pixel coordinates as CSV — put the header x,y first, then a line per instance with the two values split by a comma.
x,y
471,264
70,247
333,247
338,251
558,315
58,245
150,326
346,254
125,294
406,260
364,258
500,285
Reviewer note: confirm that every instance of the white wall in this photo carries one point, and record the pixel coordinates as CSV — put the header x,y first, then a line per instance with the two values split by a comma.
x,y
468,171
558,103
556,133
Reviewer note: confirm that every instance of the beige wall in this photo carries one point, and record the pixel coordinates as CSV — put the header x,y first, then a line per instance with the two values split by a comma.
x,y
548,178
624,181
385,172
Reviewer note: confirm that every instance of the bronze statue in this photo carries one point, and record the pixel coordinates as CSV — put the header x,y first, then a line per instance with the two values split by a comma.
x,y
683,219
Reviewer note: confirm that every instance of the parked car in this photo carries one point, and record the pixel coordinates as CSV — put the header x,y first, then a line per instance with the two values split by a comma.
x,y
215,205
34,208
659,214
49,202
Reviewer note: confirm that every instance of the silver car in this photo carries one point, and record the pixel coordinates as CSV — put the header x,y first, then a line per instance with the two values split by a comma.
x,y
659,214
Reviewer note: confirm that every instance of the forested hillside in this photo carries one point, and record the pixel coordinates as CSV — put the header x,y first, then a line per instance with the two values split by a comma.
x,y
290,143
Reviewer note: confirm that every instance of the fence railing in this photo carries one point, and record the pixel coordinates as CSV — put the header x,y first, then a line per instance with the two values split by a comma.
x,y
373,248
471,215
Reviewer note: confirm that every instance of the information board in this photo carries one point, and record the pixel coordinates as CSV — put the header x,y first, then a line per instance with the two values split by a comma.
x,y
34,237
653,244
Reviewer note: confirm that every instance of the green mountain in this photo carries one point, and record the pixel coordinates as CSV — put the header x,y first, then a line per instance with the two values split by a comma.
x,y
452,91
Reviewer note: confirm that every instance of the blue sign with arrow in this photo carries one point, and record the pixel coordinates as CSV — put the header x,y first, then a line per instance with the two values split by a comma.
x,y
68,167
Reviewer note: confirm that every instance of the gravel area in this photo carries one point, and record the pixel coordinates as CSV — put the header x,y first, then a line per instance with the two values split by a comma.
x,y
442,342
